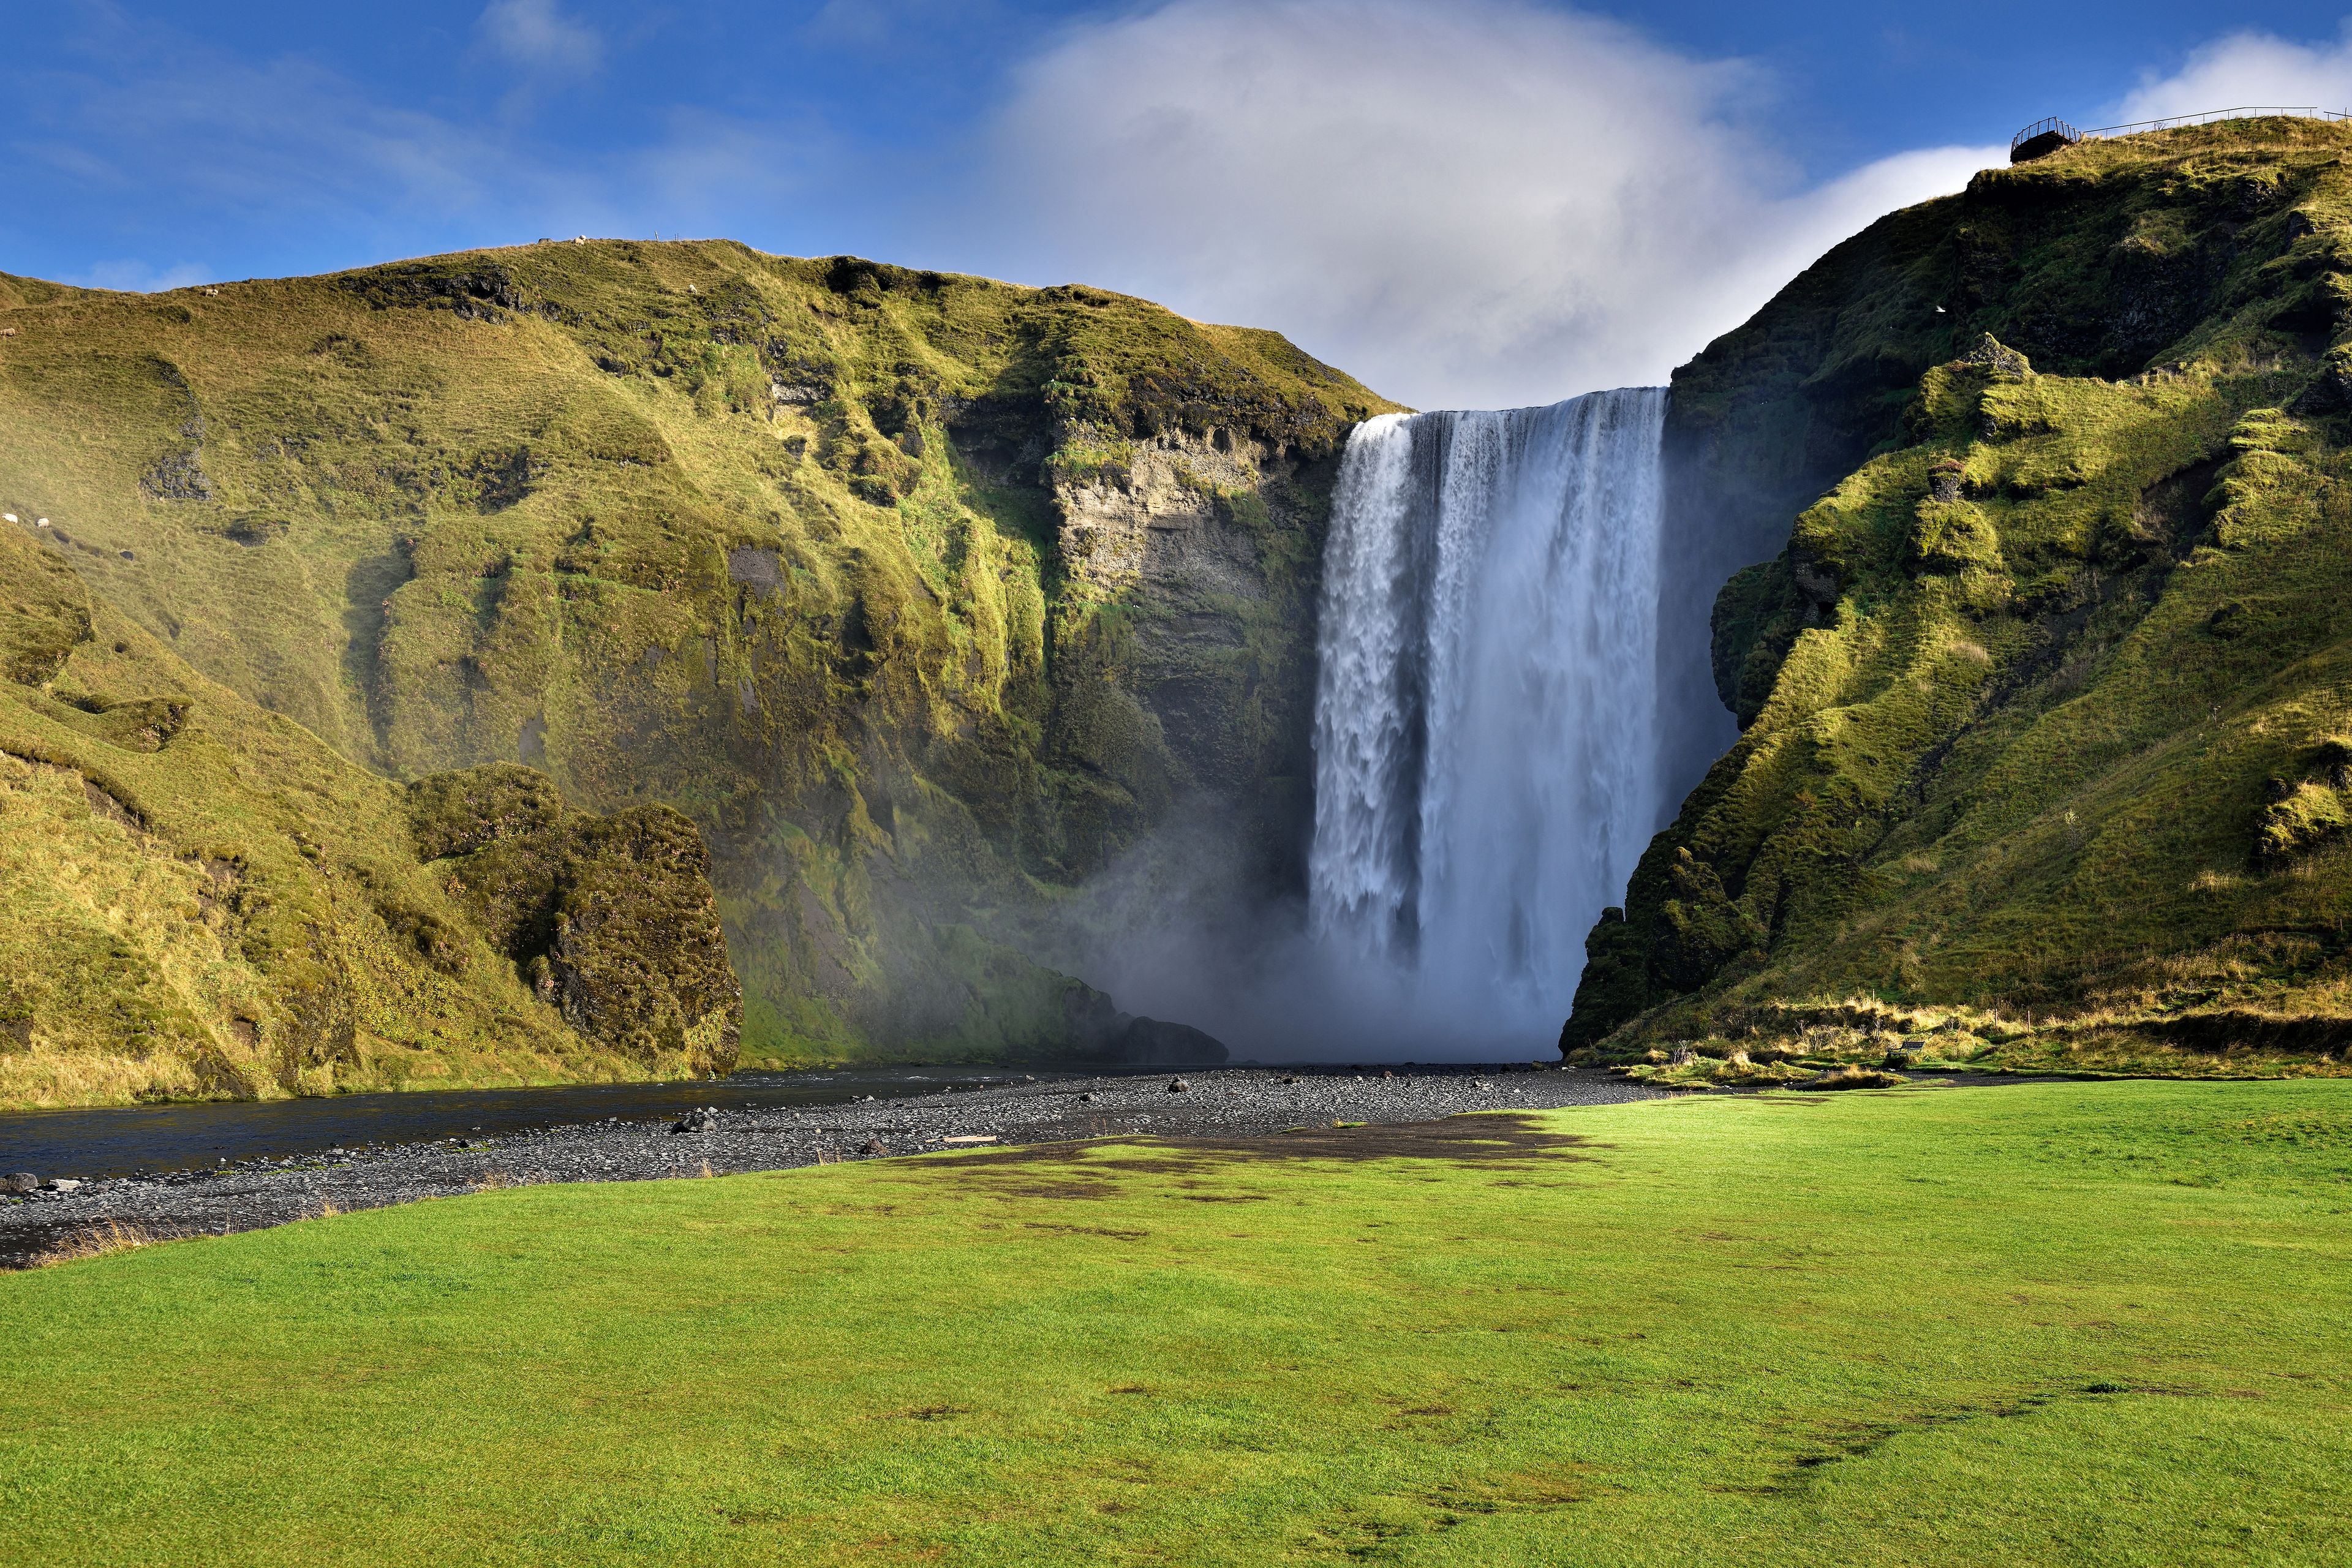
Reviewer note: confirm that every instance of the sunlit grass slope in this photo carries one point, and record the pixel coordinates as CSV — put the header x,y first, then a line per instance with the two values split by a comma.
x,y
2047,1324
2048,702
772,540
200,898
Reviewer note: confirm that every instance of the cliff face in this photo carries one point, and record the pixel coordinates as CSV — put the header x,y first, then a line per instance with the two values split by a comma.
x,y
2042,697
922,597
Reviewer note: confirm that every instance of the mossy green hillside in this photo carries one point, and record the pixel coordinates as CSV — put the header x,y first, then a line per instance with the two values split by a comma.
x,y
2045,700
886,579
200,898
2044,1323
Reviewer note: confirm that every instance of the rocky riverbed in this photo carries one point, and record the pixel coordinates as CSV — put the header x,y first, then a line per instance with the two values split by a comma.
x,y
720,1140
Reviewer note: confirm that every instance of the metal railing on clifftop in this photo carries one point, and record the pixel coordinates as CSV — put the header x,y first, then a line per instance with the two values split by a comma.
x,y
2046,136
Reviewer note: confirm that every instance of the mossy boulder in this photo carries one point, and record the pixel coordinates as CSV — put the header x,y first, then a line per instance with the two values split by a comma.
x,y
611,920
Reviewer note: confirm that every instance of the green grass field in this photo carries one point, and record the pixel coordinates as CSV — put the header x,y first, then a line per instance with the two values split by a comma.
x,y
2040,1323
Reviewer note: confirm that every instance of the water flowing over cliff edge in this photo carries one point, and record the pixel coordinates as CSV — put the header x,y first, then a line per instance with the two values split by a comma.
x,y
1489,709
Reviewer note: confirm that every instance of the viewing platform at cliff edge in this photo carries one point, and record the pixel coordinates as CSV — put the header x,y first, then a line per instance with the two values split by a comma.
x,y
2044,137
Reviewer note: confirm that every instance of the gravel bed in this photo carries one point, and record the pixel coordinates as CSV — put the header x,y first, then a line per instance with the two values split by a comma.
x,y
1216,1102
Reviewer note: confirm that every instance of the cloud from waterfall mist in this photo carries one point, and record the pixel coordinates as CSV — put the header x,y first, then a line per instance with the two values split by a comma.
x,y
1481,205
1177,928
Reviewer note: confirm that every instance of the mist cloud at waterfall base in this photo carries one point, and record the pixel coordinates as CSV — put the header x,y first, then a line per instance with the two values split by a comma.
x,y
1180,928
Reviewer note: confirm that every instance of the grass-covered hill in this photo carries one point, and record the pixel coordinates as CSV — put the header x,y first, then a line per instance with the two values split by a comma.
x,y
922,597
200,898
2047,704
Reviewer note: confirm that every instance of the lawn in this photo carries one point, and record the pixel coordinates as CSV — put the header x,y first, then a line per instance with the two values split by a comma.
x,y
2034,1323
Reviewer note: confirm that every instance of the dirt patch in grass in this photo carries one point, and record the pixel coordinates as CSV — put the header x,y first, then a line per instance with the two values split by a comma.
x,y
1505,1140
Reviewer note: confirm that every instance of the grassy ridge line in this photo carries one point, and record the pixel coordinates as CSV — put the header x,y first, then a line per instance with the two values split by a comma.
x,y
782,542
2050,1323
2043,700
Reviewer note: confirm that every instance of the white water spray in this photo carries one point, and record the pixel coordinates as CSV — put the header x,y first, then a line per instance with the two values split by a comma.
x,y
1486,728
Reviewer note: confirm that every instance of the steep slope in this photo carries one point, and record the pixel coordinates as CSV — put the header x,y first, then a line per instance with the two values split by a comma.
x,y
2047,703
200,898
923,596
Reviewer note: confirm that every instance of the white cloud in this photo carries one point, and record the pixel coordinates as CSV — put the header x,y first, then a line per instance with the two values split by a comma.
x,y
2249,70
1481,204
538,37
142,278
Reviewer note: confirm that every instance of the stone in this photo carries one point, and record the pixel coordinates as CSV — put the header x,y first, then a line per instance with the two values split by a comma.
x,y
875,1146
1990,354
63,1184
1154,1043
22,1182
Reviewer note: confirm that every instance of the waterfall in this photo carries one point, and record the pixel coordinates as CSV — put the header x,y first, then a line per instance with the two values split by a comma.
x,y
1487,713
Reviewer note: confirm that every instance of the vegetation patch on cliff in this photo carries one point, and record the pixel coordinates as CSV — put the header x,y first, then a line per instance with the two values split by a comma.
x,y
199,898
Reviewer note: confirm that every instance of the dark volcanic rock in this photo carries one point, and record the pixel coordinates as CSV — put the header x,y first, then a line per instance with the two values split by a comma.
x,y
1149,1041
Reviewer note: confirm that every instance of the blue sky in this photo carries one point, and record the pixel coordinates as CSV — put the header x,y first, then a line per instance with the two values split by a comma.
x,y
1475,201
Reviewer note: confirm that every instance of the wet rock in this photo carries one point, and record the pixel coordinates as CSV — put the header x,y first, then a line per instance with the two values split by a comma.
x,y
1154,1042
700,1119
